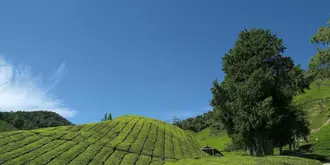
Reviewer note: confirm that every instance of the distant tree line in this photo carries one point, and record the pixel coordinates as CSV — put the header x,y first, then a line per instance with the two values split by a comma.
x,y
22,120
198,123
107,116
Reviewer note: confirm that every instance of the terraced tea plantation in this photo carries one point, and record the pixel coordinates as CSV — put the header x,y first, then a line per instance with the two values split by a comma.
x,y
127,140
248,160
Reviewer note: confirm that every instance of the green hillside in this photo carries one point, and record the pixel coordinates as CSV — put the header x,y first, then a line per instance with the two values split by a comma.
x,y
316,102
206,137
125,140
321,146
248,160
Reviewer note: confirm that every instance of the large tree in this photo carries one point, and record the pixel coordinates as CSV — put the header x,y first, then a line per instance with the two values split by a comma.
x,y
254,99
319,64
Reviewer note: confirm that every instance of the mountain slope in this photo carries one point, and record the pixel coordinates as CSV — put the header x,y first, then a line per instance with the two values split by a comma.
x,y
316,102
248,160
206,137
125,140
321,142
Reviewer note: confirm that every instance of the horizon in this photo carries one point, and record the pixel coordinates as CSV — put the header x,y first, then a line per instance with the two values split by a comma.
x,y
82,59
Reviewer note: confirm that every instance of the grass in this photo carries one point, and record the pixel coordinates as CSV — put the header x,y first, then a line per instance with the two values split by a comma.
x,y
316,102
125,140
218,141
321,146
314,93
318,146
247,160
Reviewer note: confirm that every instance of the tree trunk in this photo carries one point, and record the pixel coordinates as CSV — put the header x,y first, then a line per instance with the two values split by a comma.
x,y
268,147
250,150
262,146
281,150
298,144
290,147
256,148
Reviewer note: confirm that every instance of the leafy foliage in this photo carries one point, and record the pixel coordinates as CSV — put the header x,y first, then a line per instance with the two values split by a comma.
x,y
198,123
31,120
319,64
4,126
254,99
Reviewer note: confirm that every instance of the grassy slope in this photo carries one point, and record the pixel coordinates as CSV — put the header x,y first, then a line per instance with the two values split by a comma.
x,y
322,145
247,160
206,137
318,110
125,140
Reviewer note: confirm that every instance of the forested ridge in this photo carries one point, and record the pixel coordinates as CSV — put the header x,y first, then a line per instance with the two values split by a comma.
x,y
22,120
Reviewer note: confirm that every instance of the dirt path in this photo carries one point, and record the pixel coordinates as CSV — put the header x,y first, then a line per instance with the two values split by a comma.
x,y
326,123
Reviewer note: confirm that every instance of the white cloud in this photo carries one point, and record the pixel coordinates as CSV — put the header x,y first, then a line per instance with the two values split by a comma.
x,y
20,90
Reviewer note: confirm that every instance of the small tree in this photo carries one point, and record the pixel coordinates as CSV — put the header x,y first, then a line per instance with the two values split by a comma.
x,y
176,121
109,116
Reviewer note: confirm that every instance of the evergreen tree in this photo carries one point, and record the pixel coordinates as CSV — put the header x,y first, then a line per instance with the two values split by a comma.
x,y
254,100
109,116
105,117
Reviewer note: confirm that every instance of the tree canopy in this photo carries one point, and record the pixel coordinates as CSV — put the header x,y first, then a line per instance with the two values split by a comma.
x,y
197,123
319,64
254,99
32,120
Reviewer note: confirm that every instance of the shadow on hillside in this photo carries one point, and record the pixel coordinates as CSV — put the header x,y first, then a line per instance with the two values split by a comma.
x,y
305,151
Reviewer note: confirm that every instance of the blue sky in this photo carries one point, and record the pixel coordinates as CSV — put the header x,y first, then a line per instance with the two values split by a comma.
x,y
152,58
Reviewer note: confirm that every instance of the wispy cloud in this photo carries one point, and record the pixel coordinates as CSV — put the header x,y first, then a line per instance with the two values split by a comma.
x,y
21,90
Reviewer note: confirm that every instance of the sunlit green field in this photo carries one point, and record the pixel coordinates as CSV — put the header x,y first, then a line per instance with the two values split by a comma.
x,y
247,160
219,141
321,141
316,102
126,140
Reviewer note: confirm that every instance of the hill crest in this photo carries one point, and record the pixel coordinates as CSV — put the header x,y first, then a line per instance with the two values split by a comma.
x,y
125,140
